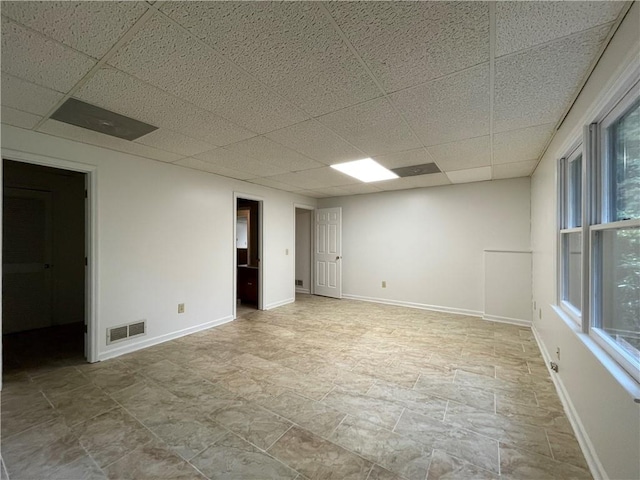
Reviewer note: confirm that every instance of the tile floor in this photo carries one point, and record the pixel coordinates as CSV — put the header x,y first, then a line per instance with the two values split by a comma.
x,y
319,389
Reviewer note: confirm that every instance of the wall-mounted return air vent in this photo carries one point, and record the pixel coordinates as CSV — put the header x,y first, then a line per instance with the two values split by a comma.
x,y
298,283
123,332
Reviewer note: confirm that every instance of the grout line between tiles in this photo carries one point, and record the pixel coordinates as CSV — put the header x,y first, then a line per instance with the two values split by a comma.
x,y
398,421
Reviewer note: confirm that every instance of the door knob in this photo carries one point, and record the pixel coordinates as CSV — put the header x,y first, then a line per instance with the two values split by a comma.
x,y
46,266
338,258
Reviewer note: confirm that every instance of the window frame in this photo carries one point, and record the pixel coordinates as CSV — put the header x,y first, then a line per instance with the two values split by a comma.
x,y
597,217
573,311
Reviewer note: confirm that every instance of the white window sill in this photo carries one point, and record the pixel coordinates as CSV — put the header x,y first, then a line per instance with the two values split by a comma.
x,y
625,380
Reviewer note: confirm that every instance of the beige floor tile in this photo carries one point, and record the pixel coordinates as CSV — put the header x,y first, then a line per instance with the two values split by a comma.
x,y
152,461
333,389
447,467
309,414
465,444
252,423
111,435
399,454
318,459
231,458
523,465
376,410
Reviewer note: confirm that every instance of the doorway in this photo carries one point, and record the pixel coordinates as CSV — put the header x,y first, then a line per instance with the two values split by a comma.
x,y
248,256
43,266
303,249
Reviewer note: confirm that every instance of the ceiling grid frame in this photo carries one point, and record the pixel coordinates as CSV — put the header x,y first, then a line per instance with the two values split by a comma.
x,y
252,77
101,62
373,77
410,130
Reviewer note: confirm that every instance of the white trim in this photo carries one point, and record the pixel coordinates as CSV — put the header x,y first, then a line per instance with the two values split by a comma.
x,y
311,209
590,454
133,347
623,377
303,290
280,303
508,251
91,237
512,321
421,306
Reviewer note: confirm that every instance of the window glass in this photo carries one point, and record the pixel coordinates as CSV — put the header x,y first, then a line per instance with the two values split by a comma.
x,y
574,200
619,285
624,165
573,266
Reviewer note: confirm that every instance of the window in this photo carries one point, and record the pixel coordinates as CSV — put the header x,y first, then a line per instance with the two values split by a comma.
x,y
599,240
571,234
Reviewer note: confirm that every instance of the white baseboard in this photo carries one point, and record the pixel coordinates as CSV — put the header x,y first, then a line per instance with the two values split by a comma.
x,y
279,304
597,470
303,290
132,347
421,306
513,321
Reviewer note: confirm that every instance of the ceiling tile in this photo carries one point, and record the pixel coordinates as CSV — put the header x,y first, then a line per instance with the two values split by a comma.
x,y
316,178
290,46
32,57
448,109
420,181
374,127
115,90
91,27
470,175
314,140
203,166
407,158
28,97
82,135
236,161
461,155
536,86
169,58
521,145
311,193
268,182
407,43
360,188
280,158
18,118
521,25
513,170
174,142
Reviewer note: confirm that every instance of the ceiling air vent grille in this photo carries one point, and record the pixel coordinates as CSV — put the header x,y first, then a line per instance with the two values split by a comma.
x,y
85,115
123,332
414,170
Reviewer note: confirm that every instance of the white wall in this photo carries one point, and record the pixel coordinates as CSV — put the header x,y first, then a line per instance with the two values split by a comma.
x,y
606,417
428,244
165,236
303,249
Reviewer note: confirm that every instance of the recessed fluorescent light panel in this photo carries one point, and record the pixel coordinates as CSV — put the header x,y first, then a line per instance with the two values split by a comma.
x,y
366,170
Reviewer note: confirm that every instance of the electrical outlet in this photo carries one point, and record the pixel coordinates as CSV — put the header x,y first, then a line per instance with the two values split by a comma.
x,y
558,353
540,314
181,308
384,284
286,251
554,366
534,305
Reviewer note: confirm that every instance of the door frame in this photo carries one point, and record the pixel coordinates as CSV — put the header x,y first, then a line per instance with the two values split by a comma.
x,y
261,264
91,236
311,209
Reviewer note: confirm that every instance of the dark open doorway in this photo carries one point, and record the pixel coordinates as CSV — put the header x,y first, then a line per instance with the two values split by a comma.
x,y
43,266
248,253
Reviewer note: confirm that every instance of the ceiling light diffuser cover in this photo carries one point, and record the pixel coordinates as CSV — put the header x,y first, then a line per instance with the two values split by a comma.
x,y
366,170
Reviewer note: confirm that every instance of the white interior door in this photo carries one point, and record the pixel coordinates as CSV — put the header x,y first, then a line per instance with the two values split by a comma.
x,y
26,260
328,252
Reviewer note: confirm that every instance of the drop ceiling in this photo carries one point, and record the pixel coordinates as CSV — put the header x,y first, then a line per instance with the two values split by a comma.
x,y
273,93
